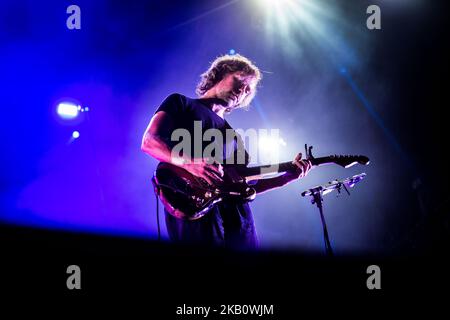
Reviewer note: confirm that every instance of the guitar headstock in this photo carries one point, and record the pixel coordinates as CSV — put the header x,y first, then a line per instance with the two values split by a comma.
x,y
347,161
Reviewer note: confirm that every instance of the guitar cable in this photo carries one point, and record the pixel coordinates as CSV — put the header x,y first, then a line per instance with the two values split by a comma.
x,y
156,190
157,216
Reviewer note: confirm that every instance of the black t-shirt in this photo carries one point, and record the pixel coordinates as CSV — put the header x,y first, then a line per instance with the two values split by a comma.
x,y
228,223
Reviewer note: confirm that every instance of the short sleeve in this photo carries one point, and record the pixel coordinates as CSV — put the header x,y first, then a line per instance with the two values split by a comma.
x,y
174,105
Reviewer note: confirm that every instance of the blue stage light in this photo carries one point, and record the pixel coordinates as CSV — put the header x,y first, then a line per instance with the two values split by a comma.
x,y
232,51
75,134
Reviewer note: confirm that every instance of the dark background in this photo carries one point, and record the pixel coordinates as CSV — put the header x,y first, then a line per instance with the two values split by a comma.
x,y
329,82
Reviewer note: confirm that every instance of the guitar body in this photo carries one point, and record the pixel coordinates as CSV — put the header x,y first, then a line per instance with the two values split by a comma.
x,y
188,197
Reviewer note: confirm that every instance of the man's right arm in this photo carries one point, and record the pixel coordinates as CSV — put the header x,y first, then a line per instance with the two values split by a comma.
x,y
154,143
153,140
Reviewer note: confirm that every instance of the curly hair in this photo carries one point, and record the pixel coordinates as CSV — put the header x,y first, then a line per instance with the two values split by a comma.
x,y
224,65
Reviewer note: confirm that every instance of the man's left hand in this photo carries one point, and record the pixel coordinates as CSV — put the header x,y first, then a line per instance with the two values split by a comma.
x,y
303,166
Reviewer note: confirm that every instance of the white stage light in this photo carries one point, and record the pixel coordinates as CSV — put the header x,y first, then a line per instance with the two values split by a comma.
x,y
67,110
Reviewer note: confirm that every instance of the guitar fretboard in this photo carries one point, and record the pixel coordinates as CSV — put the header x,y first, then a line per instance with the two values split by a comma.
x,y
279,167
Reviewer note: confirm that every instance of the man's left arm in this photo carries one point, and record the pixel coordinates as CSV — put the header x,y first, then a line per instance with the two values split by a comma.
x,y
303,168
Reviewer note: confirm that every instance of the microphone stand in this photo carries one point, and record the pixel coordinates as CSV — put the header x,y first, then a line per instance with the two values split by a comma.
x,y
316,194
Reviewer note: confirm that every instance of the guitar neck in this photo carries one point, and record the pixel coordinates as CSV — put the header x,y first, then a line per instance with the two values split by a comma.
x,y
246,172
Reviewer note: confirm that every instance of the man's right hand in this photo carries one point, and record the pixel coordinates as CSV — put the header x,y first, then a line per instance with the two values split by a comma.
x,y
203,168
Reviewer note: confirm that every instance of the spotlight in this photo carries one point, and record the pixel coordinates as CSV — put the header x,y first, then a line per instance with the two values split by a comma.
x,y
270,148
75,134
67,110
269,144
232,51
271,4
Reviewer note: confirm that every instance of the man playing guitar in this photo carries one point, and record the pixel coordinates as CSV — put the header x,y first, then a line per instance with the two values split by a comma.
x,y
230,83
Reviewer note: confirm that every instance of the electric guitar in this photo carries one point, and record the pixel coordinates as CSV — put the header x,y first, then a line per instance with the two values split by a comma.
x,y
189,197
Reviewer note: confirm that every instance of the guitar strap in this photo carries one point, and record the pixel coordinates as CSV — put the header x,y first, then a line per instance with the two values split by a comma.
x,y
240,152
